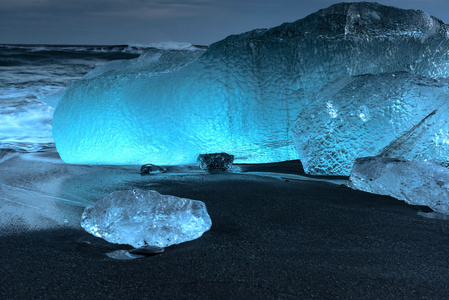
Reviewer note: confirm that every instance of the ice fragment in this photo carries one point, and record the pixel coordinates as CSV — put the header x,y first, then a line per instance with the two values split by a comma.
x,y
151,169
415,182
140,218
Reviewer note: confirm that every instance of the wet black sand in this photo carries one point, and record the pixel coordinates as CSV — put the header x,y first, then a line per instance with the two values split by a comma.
x,y
270,239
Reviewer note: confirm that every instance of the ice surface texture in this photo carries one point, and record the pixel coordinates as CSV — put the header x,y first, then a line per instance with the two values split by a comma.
x,y
415,182
396,114
243,94
139,218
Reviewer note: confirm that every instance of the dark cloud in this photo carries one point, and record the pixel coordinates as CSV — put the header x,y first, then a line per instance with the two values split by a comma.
x,y
147,21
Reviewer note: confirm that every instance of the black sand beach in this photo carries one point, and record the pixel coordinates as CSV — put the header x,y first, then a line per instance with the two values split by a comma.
x,y
271,238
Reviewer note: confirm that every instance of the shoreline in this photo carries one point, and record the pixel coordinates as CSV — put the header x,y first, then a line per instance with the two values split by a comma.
x,y
270,238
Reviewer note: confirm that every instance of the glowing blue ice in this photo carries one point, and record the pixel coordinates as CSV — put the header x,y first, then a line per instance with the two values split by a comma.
x,y
140,218
242,95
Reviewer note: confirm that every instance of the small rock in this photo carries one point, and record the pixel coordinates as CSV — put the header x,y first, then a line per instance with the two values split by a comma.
x,y
151,169
215,161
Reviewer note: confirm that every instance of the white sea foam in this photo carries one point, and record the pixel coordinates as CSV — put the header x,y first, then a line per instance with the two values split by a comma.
x,y
169,45
26,127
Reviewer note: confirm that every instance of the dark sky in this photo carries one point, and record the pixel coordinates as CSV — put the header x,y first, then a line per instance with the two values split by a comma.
x,y
151,21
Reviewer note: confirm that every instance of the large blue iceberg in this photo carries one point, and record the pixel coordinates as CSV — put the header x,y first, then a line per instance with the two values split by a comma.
x,y
244,93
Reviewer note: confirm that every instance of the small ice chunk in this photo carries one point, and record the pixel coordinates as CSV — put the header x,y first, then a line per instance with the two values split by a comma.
x,y
415,182
140,218
151,169
215,161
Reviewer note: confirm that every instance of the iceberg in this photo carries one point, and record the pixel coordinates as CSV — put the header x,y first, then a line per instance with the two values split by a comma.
x,y
415,182
396,115
243,94
146,218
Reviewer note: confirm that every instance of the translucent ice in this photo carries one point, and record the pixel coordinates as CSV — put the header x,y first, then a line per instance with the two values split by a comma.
x,y
140,218
396,114
415,182
243,94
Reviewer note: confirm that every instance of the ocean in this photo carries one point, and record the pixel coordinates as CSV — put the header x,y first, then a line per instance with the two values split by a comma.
x,y
33,78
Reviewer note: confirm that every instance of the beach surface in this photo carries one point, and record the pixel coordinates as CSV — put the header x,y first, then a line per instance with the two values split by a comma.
x,y
275,234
